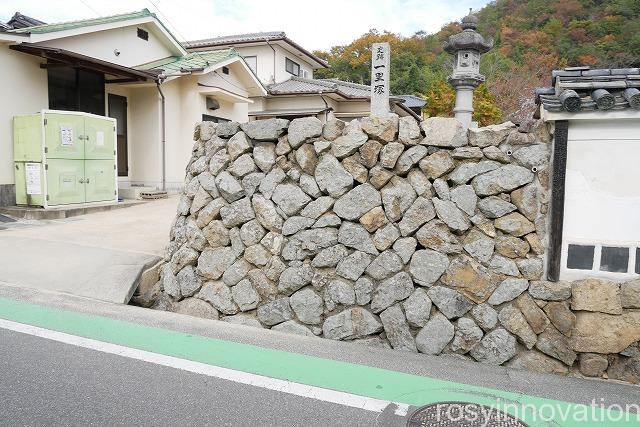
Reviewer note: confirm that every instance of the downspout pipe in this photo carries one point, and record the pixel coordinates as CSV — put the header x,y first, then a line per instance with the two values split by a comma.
x,y
163,133
163,121
274,59
327,109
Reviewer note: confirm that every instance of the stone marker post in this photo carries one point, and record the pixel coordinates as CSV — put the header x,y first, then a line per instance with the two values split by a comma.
x,y
380,65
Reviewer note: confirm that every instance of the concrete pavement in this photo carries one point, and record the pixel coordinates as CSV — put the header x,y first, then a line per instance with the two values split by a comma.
x,y
378,374
100,255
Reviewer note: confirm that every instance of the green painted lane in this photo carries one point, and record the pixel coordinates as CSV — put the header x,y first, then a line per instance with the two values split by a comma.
x,y
325,373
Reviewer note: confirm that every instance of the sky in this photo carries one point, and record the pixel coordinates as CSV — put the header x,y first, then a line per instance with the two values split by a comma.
x,y
320,24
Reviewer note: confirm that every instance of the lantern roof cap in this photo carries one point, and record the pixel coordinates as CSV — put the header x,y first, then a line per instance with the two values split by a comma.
x,y
468,38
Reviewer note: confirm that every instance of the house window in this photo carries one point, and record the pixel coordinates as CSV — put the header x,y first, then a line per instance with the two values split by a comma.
x,y
614,259
580,257
292,67
252,62
214,119
225,70
142,34
610,259
74,89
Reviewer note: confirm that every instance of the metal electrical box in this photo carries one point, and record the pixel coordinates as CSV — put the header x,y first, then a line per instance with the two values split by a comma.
x,y
64,158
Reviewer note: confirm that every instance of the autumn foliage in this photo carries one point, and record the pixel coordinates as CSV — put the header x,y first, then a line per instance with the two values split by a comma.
x,y
532,37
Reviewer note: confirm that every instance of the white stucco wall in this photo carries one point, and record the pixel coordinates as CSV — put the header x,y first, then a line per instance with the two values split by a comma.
x,y
353,107
144,142
265,62
602,197
294,102
185,105
230,82
281,72
102,44
23,85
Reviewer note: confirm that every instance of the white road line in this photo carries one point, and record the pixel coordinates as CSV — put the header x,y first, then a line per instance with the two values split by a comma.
x,y
302,390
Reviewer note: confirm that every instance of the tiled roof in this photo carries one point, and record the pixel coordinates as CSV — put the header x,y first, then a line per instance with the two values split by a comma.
x,y
252,38
61,26
583,89
299,85
19,20
236,38
191,61
287,112
351,89
311,86
412,101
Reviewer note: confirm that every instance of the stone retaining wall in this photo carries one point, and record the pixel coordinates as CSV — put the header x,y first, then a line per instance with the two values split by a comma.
x,y
421,238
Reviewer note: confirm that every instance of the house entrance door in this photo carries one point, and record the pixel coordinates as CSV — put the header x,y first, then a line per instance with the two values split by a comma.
x,y
118,110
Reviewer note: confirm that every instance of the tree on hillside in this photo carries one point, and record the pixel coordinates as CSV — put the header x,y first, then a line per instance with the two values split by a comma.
x,y
441,99
532,37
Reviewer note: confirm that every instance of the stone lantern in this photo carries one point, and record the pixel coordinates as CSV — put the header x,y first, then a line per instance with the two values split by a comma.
x,y
466,47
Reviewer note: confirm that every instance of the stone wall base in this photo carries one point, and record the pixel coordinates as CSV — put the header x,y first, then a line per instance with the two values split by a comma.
x,y
383,231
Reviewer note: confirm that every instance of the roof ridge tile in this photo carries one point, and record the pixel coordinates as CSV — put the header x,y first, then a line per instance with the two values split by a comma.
x,y
83,22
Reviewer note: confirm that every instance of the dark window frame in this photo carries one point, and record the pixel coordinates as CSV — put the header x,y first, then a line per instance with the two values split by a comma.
x,y
225,70
214,119
288,63
76,89
122,131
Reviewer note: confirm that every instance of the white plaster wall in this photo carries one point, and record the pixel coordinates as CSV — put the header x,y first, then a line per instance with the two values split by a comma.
x,y
230,82
265,62
185,106
23,87
235,111
181,114
281,72
133,50
353,107
602,197
294,102
145,146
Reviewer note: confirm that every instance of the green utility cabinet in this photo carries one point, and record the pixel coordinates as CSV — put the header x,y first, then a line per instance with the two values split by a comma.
x,y
64,157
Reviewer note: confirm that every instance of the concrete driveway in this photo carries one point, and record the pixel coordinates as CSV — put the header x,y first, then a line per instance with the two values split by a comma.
x,y
99,255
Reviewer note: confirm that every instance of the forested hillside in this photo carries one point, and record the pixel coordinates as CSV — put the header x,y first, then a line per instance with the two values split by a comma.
x,y
532,37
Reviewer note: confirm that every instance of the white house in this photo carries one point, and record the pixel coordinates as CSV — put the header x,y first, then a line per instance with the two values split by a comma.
x,y
595,206
131,67
286,69
126,66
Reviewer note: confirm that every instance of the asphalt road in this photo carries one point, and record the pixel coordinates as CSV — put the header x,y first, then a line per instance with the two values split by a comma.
x,y
51,382
43,382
